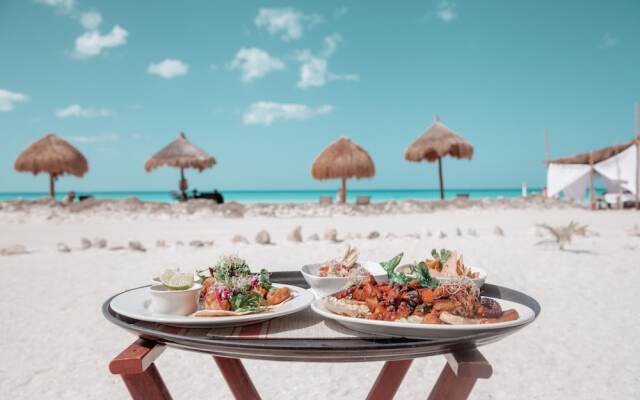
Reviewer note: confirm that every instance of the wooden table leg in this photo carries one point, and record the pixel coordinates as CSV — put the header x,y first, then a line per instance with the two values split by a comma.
x,y
389,380
139,373
459,375
237,378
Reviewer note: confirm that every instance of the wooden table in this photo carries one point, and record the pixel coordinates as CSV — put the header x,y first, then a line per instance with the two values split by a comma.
x,y
464,363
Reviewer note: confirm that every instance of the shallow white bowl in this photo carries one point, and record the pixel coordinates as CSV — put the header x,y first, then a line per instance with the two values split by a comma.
x,y
325,285
479,281
174,302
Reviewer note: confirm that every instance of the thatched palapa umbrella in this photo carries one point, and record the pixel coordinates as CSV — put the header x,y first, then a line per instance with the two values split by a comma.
x,y
439,141
182,154
343,159
54,156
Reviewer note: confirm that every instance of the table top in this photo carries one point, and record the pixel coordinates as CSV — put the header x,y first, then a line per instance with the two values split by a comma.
x,y
318,350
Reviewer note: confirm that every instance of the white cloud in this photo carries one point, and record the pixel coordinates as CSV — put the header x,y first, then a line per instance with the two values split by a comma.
x,y
331,44
314,70
267,112
92,43
64,6
255,63
340,12
91,20
109,137
607,41
75,110
447,11
168,68
289,23
9,99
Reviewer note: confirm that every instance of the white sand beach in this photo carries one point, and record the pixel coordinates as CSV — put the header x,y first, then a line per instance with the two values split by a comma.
x,y
55,342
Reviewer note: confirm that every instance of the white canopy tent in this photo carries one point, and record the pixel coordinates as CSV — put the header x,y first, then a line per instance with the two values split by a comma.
x,y
617,166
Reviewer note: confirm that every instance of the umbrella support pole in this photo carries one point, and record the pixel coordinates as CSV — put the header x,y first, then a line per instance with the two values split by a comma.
x,y
52,186
343,191
440,176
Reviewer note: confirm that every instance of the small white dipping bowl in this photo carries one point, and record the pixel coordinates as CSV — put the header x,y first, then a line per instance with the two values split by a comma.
x,y
156,280
322,286
479,281
174,302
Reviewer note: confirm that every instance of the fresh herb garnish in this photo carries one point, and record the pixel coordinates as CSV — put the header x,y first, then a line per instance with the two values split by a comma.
x,y
389,266
249,301
421,272
230,267
263,279
443,256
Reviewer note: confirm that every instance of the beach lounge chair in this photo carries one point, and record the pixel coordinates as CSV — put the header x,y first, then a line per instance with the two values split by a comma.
x,y
326,200
363,200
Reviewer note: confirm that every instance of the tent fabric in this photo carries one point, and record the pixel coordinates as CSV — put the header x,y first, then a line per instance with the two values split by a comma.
x,y
563,176
620,169
575,191
610,186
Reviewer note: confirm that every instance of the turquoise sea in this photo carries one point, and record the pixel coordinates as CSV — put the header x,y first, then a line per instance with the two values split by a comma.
x,y
289,196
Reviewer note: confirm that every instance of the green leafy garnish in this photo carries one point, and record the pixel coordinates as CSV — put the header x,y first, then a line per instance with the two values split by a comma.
x,y
246,302
421,272
443,256
389,266
229,267
263,279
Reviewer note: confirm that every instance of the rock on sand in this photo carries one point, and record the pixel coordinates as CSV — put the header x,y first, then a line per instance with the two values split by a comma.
x,y
295,235
85,243
263,237
63,248
14,250
136,246
239,239
331,234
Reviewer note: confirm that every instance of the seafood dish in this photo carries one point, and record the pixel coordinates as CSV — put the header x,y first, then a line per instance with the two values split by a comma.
x,y
345,267
417,298
232,289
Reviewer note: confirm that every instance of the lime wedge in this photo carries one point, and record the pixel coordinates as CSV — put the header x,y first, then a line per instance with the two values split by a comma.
x,y
176,280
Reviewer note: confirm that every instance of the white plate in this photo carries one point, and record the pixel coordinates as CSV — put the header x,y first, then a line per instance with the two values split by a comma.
x,y
136,304
479,281
425,331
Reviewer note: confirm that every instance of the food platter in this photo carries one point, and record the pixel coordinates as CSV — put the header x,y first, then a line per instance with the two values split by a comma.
x,y
136,304
426,331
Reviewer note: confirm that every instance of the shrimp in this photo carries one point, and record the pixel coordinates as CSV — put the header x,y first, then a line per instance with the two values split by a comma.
x,y
277,296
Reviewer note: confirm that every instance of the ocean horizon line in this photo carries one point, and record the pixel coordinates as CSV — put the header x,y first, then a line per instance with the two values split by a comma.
x,y
285,196
277,190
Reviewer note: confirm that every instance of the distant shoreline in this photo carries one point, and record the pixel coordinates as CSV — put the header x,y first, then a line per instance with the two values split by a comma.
x,y
288,196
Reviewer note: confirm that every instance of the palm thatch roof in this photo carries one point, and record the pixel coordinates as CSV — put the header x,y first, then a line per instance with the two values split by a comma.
x,y
438,141
343,159
52,155
180,153
598,155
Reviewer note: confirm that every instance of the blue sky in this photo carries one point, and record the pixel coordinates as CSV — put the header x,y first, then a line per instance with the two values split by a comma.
x,y
265,86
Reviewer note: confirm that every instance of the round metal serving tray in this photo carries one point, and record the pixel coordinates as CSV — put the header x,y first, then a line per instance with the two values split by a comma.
x,y
320,350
